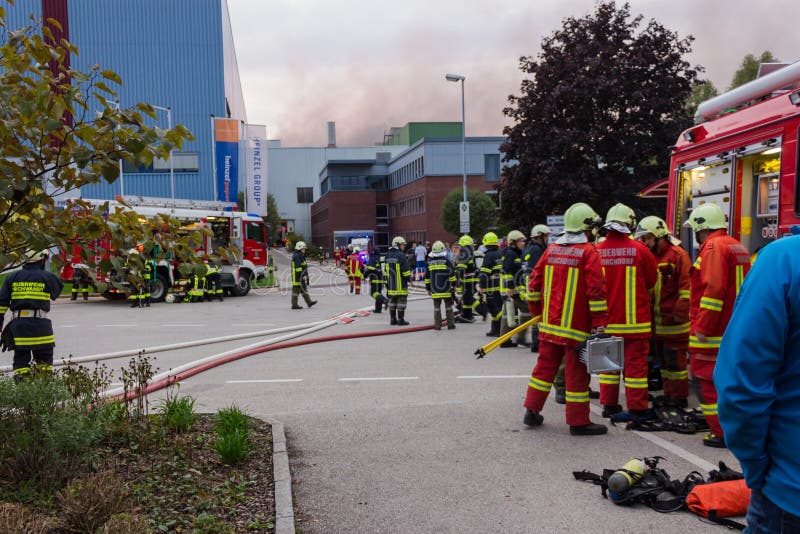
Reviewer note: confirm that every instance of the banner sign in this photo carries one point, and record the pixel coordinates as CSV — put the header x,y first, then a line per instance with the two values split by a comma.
x,y
256,167
226,148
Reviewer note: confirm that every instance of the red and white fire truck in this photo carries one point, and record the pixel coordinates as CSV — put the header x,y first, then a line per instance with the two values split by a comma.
x,y
244,231
742,154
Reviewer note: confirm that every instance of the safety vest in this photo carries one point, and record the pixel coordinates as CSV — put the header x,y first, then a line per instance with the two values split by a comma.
x,y
567,289
630,272
671,295
716,277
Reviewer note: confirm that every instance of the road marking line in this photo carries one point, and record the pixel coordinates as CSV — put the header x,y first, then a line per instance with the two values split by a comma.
x,y
272,381
181,324
376,378
494,376
256,324
67,326
122,325
666,445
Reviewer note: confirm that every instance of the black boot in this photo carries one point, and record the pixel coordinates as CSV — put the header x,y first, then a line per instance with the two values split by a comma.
x,y
85,295
495,330
147,302
532,418
401,318
74,296
610,410
393,316
561,396
378,308
592,429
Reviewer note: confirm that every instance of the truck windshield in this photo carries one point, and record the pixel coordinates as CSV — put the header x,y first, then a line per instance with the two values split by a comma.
x,y
254,231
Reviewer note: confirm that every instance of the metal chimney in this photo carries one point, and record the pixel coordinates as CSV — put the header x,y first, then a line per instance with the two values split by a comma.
x,y
331,134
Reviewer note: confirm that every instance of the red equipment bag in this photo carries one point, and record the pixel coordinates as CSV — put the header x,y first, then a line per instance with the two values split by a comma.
x,y
719,499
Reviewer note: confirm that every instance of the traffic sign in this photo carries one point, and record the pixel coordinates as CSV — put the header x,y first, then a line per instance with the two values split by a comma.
x,y
463,214
556,225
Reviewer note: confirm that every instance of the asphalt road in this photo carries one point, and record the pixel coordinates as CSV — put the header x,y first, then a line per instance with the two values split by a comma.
x,y
397,433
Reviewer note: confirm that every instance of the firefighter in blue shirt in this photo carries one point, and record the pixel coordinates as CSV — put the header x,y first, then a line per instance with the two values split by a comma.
x,y
439,280
27,293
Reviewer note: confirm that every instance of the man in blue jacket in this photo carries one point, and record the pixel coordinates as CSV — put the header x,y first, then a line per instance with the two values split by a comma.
x,y
757,376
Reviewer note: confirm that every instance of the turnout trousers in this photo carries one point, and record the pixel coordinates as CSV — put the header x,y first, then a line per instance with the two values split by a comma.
x,y
636,351
577,379
672,359
704,371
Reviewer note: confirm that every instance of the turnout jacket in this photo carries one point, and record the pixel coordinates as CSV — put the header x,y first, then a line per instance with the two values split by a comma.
x,y
398,273
465,264
568,290
26,291
630,272
511,274
440,276
489,278
374,269
530,257
355,264
716,276
671,295
757,374
299,269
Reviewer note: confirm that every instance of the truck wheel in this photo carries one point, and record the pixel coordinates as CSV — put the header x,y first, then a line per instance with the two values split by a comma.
x,y
159,290
242,287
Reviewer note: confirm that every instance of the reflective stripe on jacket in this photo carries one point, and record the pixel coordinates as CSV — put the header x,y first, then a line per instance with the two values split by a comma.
x,y
440,276
630,273
299,268
490,270
398,273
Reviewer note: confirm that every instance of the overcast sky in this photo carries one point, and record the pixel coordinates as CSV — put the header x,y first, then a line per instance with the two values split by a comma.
x,y
370,65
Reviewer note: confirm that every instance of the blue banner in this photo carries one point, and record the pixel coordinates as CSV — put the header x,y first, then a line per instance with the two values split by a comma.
x,y
226,143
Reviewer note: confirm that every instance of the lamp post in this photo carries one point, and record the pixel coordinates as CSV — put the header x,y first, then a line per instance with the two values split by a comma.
x,y
458,78
171,162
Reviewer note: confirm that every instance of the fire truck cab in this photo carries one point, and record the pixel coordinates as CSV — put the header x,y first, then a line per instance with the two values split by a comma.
x,y
742,154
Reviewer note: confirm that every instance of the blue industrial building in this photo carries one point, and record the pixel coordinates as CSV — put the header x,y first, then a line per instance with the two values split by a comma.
x,y
176,54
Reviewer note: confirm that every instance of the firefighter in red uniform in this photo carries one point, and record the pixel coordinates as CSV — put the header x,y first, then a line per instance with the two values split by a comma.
x,y
355,270
716,275
568,291
630,273
337,255
670,307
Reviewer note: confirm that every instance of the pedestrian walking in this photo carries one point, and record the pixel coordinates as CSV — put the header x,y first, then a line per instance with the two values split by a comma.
x,y
439,282
756,376
300,283
420,253
27,293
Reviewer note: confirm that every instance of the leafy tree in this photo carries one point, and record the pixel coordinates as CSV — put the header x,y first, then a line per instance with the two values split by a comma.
x,y
604,100
701,91
748,70
60,129
482,212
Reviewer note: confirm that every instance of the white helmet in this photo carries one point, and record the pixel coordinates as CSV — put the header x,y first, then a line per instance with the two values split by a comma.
x,y
133,251
356,249
169,299
539,230
300,245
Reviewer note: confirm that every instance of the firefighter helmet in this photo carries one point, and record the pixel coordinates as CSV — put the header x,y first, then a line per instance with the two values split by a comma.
x,y
397,241
620,213
539,230
169,299
465,241
514,235
356,249
489,239
707,216
300,245
438,246
133,252
652,225
33,257
580,217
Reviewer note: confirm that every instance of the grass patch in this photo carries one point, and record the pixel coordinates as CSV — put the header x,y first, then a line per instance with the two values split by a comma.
x,y
232,419
178,413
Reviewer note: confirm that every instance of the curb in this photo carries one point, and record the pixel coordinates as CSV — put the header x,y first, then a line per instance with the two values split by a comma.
x,y
284,507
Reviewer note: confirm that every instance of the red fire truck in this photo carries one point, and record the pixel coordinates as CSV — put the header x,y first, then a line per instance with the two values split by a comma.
x,y
244,231
742,154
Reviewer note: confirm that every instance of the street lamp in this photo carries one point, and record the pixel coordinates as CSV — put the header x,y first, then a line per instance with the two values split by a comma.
x,y
171,162
458,78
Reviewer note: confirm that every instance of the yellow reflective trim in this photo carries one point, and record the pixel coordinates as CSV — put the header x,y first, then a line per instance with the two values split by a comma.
x,y
636,383
683,293
638,328
739,277
567,333
41,340
30,296
541,385
710,343
674,375
548,280
569,297
673,329
712,301
609,379
577,396
697,262
709,409
598,305
630,294
657,296
3,309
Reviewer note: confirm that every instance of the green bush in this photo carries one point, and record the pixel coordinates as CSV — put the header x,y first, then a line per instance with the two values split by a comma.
x,y
178,413
232,419
233,447
47,435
